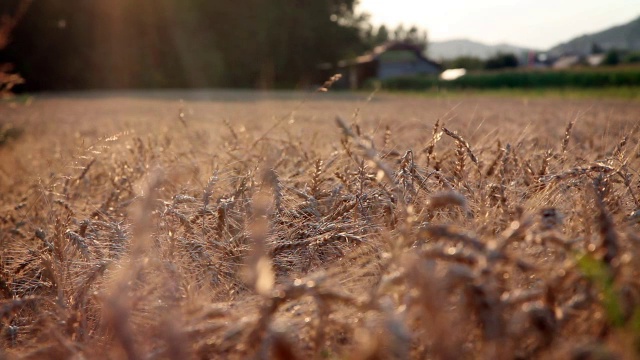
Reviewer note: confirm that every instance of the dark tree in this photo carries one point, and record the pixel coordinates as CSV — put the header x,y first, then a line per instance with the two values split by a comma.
x,y
501,61
632,58
413,36
74,44
611,58
382,36
465,62
596,48
10,16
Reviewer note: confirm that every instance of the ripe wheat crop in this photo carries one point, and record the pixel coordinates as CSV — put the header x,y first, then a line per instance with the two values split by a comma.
x,y
393,227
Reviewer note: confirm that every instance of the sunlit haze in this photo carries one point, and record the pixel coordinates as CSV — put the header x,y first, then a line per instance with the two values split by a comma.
x,y
532,23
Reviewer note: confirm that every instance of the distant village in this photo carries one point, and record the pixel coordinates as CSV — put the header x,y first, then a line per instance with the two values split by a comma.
x,y
407,54
395,59
596,57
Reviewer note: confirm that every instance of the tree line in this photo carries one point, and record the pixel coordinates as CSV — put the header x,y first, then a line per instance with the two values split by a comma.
x,y
498,61
495,62
80,44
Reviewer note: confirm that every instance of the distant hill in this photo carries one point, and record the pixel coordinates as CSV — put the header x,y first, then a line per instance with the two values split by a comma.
x,y
444,50
623,37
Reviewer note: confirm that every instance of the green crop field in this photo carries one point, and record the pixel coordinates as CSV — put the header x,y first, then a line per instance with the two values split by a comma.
x,y
579,80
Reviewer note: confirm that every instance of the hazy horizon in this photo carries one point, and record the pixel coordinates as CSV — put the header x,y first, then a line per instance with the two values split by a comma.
x,y
525,23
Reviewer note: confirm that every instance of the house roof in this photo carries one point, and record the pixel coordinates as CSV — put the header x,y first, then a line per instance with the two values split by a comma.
x,y
388,46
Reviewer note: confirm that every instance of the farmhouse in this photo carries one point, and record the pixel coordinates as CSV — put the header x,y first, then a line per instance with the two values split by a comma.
x,y
392,59
568,61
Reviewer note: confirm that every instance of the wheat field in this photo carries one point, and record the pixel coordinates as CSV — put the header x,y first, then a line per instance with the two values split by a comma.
x,y
321,225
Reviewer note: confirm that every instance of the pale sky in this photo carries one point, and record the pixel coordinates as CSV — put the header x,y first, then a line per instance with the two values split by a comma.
x,y
534,23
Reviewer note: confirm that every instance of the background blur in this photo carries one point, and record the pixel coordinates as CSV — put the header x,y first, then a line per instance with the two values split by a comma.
x,y
97,44
72,44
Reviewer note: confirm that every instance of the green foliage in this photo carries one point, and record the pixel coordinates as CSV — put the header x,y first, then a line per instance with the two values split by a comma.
x,y
382,35
465,62
10,16
410,83
632,58
181,43
524,79
612,57
416,37
600,275
501,61
413,35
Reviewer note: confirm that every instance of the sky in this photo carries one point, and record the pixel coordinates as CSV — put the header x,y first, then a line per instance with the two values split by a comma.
x,y
540,24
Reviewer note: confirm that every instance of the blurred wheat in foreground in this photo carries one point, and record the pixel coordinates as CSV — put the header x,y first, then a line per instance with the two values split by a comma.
x,y
182,239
